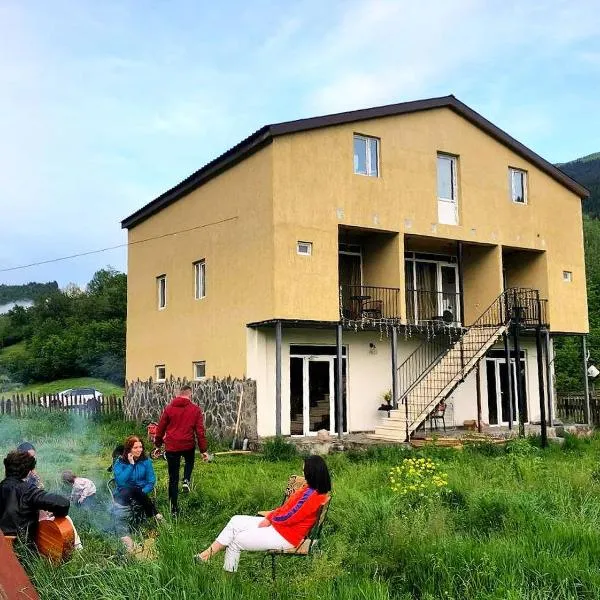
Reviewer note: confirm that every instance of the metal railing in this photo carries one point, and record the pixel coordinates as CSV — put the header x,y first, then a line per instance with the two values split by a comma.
x,y
427,305
450,366
368,302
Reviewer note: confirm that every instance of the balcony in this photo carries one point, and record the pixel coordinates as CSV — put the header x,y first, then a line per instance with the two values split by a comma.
x,y
369,303
425,306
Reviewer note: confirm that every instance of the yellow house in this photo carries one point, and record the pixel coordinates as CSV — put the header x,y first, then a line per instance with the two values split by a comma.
x,y
414,253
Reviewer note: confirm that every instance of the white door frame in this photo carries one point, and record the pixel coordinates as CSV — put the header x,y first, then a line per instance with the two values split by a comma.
x,y
308,358
513,366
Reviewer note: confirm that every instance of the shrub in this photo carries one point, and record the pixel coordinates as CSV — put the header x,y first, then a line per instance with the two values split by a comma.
x,y
418,479
278,449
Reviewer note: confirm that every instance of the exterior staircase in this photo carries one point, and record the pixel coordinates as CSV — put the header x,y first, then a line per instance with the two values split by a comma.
x,y
431,373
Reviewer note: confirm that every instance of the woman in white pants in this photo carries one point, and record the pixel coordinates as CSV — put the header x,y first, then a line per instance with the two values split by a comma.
x,y
283,528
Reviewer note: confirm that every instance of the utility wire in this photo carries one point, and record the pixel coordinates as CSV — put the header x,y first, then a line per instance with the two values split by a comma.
x,y
156,237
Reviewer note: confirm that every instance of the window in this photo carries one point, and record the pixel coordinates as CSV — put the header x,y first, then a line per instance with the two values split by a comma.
x,y
446,177
161,285
518,186
200,279
161,372
200,370
568,276
304,248
447,189
366,155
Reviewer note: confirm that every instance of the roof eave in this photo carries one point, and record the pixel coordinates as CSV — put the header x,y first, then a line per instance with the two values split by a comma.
x,y
234,155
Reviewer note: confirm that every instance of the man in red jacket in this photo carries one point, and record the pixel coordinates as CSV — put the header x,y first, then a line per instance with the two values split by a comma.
x,y
181,426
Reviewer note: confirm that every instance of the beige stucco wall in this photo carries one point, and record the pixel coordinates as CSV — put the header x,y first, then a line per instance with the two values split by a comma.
x,y
302,187
239,270
315,191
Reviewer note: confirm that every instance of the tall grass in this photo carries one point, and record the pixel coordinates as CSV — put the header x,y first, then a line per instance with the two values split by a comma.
x,y
517,523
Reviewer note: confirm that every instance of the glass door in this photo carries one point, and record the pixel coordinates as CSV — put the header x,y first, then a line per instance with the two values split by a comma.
x,y
318,400
448,304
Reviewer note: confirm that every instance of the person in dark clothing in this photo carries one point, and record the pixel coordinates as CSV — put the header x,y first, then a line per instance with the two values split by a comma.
x,y
21,502
181,427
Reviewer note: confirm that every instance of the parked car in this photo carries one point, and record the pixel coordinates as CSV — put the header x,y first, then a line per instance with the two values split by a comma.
x,y
79,395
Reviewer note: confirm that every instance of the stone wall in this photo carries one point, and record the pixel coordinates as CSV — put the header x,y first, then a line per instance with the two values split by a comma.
x,y
219,399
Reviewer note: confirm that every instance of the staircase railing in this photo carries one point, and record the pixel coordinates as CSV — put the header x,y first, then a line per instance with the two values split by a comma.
x,y
449,366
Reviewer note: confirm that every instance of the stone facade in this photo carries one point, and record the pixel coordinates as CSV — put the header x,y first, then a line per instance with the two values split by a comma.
x,y
219,399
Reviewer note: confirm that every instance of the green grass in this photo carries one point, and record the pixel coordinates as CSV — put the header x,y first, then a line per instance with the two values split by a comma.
x,y
518,525
59,385
12,350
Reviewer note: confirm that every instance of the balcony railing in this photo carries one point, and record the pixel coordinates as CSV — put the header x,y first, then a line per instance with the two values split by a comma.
x,y
423,306
367,302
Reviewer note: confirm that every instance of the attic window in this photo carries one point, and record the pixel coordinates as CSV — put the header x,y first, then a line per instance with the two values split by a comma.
x,y
366,155
518,186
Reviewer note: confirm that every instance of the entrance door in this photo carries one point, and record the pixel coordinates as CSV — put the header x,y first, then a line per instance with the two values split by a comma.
x,y
318,402
312,394
498,391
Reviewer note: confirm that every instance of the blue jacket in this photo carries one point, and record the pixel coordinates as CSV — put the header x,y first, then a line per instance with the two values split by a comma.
x,y
141,475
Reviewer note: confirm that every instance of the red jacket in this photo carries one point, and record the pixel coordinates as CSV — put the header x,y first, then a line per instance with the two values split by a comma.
x,y
180,420
295,518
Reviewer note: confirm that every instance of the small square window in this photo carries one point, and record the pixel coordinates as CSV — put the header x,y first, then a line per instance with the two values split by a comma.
x,y
568,276
200,370
304,248
161,288
366,155
518,186
200,279
160,372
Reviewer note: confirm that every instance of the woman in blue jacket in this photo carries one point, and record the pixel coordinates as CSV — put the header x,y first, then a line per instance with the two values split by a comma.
x,y
135,478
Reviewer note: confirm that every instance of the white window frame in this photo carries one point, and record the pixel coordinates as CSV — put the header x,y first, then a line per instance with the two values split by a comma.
x,y
444,204
195,365
512,171
308,247
157,378
367,139
567,276
161,291
200,279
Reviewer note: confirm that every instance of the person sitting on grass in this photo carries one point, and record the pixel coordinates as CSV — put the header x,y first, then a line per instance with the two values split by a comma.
x,y
135,479
283,528
34,480
21,502
83,491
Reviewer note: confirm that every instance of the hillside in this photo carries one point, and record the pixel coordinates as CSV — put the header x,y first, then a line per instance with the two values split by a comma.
x,y
29,291
586,170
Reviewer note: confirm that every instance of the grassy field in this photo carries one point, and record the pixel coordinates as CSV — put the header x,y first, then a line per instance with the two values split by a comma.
x,y
59,385
522,523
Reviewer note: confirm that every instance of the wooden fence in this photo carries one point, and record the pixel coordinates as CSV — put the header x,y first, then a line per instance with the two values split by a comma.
x,y
19,404
570,408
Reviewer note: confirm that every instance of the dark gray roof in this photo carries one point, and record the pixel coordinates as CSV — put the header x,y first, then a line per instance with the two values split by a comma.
x,y
265,135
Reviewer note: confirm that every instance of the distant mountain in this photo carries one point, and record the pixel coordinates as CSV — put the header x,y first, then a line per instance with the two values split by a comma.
x,y
27,292
586,171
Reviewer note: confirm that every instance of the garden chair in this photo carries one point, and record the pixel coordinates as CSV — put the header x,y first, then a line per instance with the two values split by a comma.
x,y
132,514
438,413
308,545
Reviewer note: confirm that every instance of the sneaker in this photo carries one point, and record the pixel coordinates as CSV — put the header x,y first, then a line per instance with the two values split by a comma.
x,y
186,487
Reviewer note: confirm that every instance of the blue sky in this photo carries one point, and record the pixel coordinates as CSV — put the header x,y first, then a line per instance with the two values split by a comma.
x,y
104,105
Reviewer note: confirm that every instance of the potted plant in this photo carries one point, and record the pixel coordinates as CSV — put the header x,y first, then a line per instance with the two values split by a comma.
x,y
387,401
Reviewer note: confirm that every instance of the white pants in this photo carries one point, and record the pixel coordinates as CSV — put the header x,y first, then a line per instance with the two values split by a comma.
x,y
243,533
